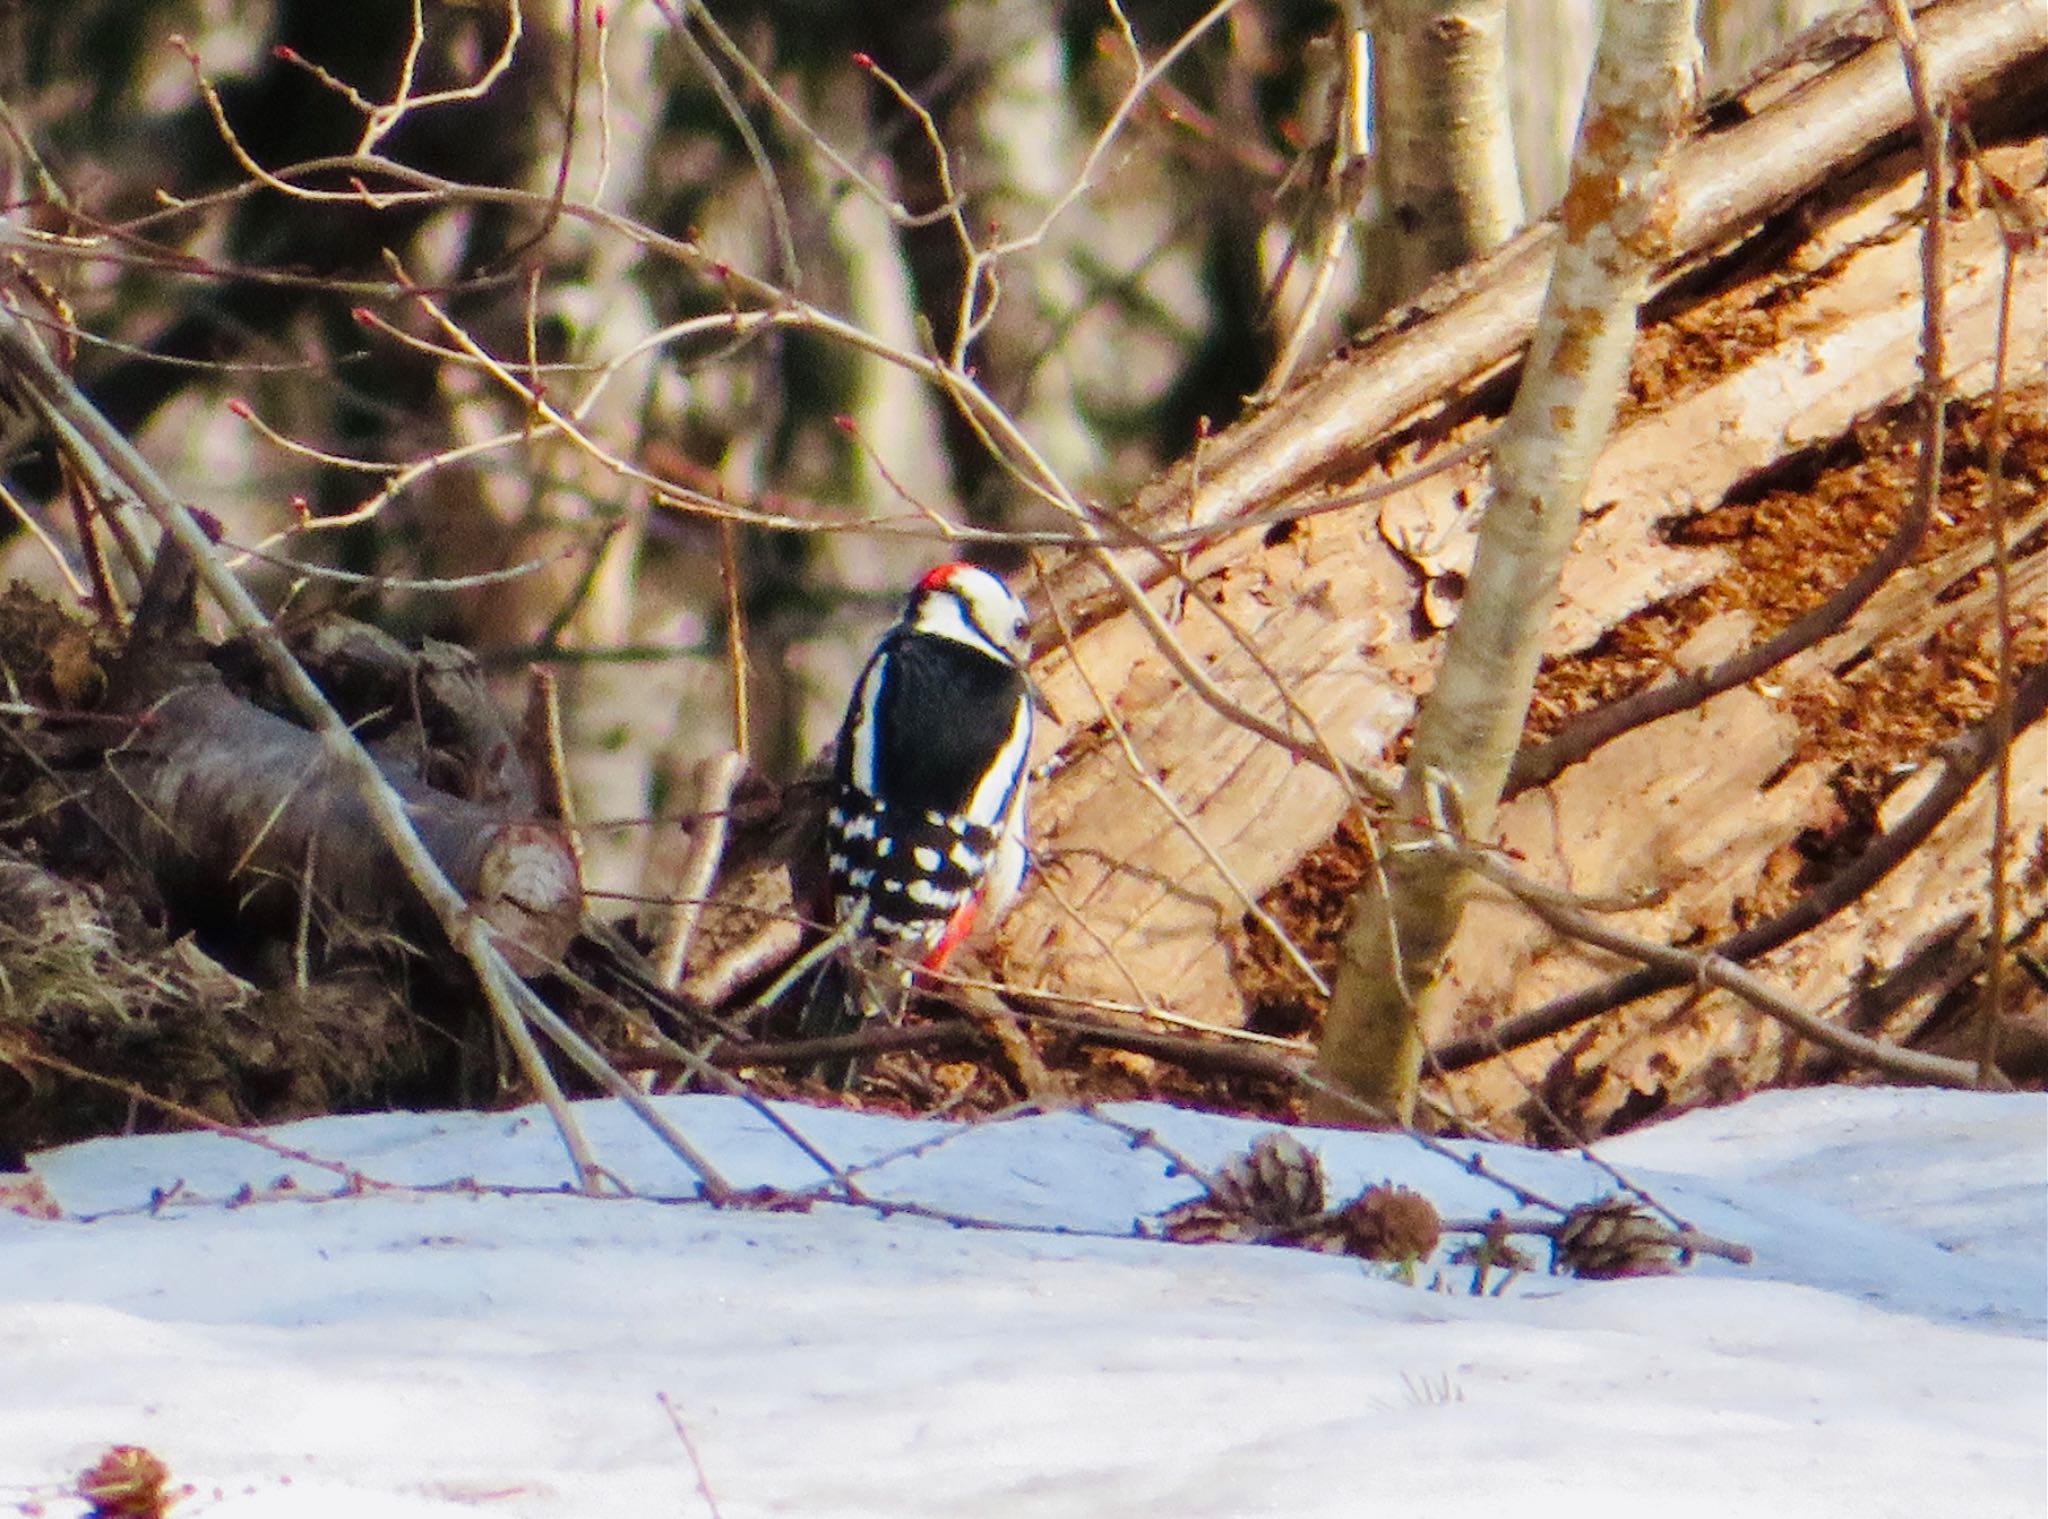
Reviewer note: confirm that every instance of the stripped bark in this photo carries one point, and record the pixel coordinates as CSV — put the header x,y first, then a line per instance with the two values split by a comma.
x,y
1807,332
1801,133
1798,206
1684,1045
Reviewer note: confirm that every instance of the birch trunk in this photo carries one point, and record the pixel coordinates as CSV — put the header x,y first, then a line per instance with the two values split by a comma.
x,y
1616,225
1442,142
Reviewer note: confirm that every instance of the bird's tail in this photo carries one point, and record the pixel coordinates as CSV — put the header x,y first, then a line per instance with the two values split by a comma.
x,y
842,998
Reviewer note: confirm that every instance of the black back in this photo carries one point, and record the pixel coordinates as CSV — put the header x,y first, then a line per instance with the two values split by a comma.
x,y
943,713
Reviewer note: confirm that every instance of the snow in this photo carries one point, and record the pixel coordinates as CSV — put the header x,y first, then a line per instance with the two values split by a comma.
x,y
445,1350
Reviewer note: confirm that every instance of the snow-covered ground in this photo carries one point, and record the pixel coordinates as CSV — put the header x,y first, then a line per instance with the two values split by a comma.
x,y
463,1351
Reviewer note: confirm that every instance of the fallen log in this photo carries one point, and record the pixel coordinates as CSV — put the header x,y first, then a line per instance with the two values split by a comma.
x,y
1334,611
230,807
1306,561
1766,159
242,818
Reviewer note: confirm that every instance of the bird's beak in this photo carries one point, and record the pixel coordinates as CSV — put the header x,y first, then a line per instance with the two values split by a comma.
x,y
1038,699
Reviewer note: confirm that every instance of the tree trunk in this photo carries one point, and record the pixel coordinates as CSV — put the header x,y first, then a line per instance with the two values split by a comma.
x,y
1442,145
1615,221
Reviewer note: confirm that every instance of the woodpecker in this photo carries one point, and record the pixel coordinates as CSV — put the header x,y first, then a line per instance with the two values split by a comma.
x,y
925,831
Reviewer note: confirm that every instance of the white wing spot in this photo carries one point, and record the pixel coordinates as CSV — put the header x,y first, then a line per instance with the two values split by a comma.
x,y
927,858
925,894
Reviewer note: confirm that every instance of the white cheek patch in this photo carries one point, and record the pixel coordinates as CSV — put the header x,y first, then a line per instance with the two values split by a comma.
x,y
946,617
992,609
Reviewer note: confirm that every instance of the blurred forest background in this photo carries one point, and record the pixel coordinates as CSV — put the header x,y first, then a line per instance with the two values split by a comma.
x,y
1148,309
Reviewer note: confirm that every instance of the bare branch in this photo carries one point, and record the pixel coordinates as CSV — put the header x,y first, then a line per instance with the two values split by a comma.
x,y
1557,910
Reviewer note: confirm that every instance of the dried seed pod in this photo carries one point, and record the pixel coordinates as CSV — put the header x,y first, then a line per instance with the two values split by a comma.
x,y
1389,1223
126,1483
1613,1238
1262,1196
1277,1182
1323,1234
1202,1222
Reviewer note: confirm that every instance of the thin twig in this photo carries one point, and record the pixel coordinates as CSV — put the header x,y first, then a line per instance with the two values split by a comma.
x,y
357,1181
702,1065
675,1418
712,782
735,638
